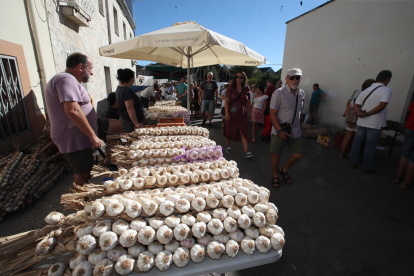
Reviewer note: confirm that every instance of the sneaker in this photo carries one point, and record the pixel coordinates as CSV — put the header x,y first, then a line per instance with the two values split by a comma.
x,y
204,122
228,149
248,154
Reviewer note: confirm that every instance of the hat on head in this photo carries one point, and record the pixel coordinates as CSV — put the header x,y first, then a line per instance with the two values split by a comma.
x,y
272,81
294,72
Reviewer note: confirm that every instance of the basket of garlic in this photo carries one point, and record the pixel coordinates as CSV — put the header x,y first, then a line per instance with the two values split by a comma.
x,y
175,130
166,109
165,103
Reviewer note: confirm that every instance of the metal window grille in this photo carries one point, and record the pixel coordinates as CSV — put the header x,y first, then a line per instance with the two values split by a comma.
x,y
13,114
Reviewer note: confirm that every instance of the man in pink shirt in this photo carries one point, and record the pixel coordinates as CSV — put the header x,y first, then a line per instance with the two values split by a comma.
x,y
72,117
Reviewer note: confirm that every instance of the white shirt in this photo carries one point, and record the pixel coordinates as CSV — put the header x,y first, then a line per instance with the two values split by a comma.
x,y
148,92
164,91
258,102
223,93
382,94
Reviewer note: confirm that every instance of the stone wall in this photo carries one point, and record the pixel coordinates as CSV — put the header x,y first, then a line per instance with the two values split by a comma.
x,y
67,37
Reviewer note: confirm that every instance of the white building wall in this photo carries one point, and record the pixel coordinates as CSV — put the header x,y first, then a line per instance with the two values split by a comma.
x,y
346,42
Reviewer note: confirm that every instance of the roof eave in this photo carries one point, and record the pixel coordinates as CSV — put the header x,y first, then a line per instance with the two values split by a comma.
x,y
127,13
310,11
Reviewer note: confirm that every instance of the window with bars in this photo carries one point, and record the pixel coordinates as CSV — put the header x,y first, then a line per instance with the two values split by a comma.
x,y
13,114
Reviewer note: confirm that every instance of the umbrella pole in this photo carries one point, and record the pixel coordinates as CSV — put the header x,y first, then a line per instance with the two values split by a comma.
x,y
188,81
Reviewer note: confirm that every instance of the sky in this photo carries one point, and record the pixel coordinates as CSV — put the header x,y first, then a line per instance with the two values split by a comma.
x,y
259,24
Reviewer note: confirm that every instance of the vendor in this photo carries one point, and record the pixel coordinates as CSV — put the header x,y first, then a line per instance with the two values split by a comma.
x,y
181,92
146,94
112,111
130,109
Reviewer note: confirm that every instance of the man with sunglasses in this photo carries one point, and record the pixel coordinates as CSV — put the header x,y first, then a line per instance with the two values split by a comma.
x,y
209,94
285,111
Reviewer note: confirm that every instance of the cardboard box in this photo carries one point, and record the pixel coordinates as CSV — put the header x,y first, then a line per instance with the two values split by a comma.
x,y
324,140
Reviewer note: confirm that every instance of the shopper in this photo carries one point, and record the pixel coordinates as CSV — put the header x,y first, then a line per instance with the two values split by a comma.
x,y
223,100
72,117
196,105
181,92
236,102
257,113
317,95
267,128
112,111
209,94
146,94
130,109
371,107
351,128
285,110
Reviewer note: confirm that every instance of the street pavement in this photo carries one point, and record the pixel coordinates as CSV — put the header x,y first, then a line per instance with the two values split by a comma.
x,y
337,220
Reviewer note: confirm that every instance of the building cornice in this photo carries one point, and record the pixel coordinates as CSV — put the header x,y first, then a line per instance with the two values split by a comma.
x,y
127,13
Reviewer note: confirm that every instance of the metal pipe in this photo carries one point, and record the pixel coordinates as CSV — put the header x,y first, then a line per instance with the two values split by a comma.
x,y
188,79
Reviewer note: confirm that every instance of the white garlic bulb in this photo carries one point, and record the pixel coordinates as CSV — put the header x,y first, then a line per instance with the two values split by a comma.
x,y
243,190
188,243
230,224
150,207
156,222
164,234
114,209
172,221
104,268
248,210
173,197
205,240
138,182
113,187
83,269
146,235
222,238
125,265
86,229
199,229
234,212
252,232
215,226
263,197
277,229
197,253
133,209
232,248
77,259
181,232
271,217
135,250
215,250
116,253
217,193
96,256
230,191
237,236
260,207
188,219
211,201
138,224
278,241
86,245
272,206
252,197
198,204
181,257
189,196
145,261
240,199
263,244
248,246
163,260
220,214
227,201
108,240
119,226
101,227
204,217
155,248
128,238
53,218
172,246
244,221
106,201
56,269
259,219
266,231
182,205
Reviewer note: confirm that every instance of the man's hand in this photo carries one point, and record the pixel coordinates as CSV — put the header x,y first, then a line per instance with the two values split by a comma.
x,y
284,136
139,125
96,142
362,114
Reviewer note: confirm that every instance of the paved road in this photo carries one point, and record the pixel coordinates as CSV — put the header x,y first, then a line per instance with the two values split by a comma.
x,y
337,220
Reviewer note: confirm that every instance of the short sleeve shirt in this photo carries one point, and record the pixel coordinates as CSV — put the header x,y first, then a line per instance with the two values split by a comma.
x,y
209,89
410,120
315,96
382,94
258,102
123,94
223,102
64,87
284,102
181,87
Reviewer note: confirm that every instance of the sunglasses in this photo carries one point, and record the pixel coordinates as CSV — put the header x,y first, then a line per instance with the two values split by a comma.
x,y
294,77
239,77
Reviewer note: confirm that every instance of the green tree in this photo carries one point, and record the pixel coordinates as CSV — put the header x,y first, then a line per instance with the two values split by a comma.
x,y
249,70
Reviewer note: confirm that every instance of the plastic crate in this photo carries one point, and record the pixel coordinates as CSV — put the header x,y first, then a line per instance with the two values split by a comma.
x,y
170,120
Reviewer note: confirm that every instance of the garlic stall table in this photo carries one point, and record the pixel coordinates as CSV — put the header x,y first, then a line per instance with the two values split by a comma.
x,y
222,266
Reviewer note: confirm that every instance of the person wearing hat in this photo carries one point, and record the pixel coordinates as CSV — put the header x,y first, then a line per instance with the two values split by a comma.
x,y
285,111
267,128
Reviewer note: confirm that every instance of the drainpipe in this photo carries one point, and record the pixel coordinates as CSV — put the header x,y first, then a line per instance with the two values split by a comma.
x,y
38,51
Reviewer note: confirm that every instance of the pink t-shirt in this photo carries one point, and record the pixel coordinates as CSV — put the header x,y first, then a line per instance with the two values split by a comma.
x,y
64,87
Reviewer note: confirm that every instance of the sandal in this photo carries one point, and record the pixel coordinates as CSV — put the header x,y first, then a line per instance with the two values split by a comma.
x,y
397,180
285,176
406,186
342,155
275,184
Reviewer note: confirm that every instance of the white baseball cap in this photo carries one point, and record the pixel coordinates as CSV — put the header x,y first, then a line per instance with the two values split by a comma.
x,y
294,72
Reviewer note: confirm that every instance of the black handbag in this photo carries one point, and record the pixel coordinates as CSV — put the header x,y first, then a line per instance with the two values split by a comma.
x,y
223,109
286,127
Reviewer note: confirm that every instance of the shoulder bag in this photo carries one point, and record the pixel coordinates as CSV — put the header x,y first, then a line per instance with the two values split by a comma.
x,y
355,119
286,127
223,110
352,115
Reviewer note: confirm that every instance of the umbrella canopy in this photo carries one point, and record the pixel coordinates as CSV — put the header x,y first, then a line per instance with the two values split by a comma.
x,y
184,45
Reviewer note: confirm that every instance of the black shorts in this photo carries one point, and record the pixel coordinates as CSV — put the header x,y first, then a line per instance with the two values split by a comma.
x,y
80,161
103,126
